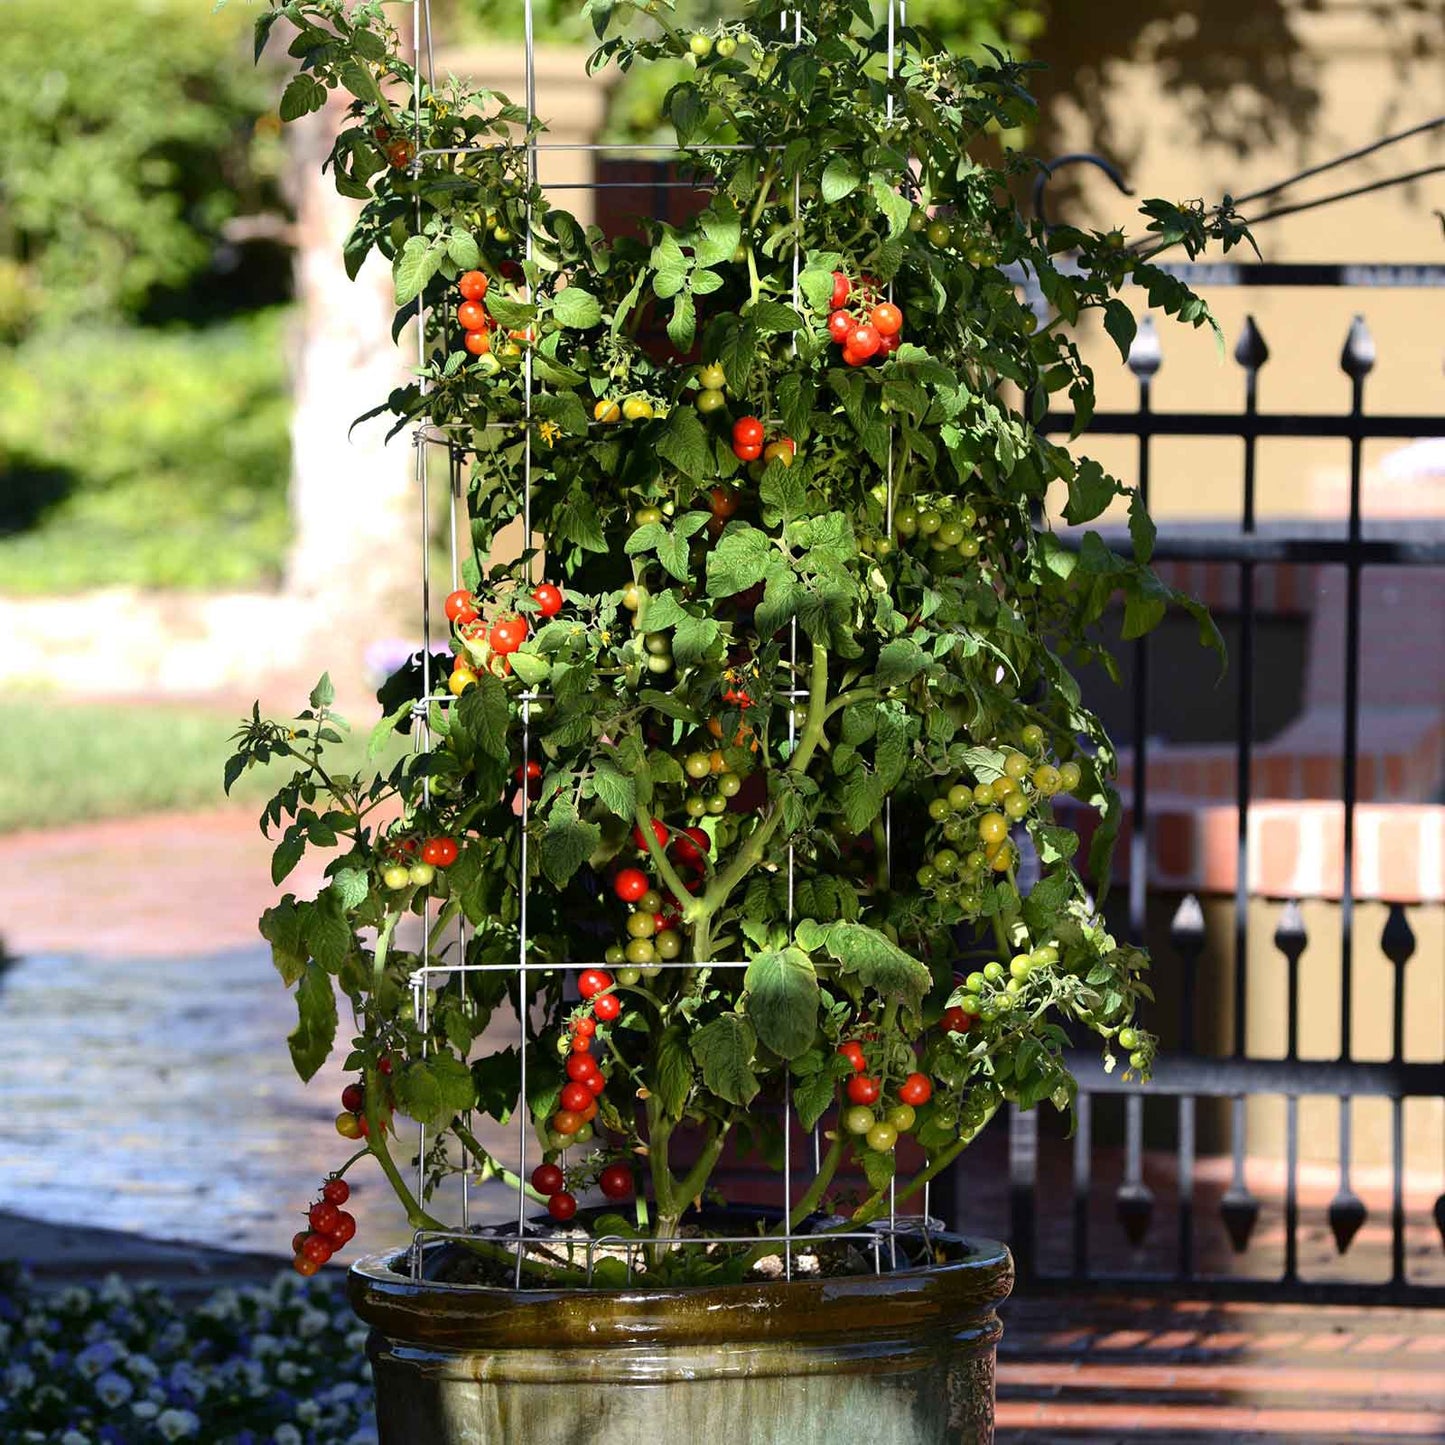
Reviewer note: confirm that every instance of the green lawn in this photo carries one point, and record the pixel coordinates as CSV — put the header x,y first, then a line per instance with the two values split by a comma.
x,y
63,762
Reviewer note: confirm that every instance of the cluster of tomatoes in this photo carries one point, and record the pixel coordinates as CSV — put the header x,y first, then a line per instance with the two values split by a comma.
x,y
654,934
472,316
496,640
416,861
331,1227
631,408
991,990
976,818
351,1121
864,1090
860,323
749,443
944,532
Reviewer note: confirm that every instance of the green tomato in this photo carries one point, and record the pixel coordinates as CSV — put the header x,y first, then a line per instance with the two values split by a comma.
x,y
968,549
902,1117
929,522
1016,765
917,221
1021,965
938,809
882,1137
628,977
1045,955
396,877
701,46
697,766
947,894
712,377
983,793
1128,1039
1016,805
584,1135
1137,1060
695,807
859,1119
615,954
954,830
974,983
960,795
659,664
992,972
729,785
1070,776
421,874
641,925
650,902
646,516
650,970
727,47
710,400
1032,737
971,1003
940,233
952,533
967,518
667,944
640,951
658,643
717,804
926,876
905,521
945,862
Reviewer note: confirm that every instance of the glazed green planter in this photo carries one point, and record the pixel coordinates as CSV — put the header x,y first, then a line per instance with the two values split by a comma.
x,y
904,1358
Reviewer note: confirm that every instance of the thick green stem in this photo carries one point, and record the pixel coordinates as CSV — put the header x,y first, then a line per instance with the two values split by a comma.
x,y
416,1216
660,860
827,1169
491,1166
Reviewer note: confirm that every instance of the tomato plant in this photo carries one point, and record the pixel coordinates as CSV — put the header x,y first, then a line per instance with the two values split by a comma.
x,y
809,570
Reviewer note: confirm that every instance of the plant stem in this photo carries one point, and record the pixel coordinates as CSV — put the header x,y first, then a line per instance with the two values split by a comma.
x,y
416,1216
808,1203
659,858
935,1166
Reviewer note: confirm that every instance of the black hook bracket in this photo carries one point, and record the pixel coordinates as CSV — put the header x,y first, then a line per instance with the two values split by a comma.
x,y
1074,158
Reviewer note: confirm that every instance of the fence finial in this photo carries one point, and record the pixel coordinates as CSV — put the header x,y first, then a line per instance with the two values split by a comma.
x,y
1146,355
1250,350
1357,360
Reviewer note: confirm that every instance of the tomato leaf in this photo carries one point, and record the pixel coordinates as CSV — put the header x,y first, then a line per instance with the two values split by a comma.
x,y
283,927
315,1032
416,263
302,96
841,177
874,959
1091,490
672,1071
434,1091
567,842
739,561
1119,322
781,997
618,794
724,1051
576,308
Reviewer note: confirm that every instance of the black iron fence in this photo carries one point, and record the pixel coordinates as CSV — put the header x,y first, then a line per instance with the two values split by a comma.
x,y
1222,1075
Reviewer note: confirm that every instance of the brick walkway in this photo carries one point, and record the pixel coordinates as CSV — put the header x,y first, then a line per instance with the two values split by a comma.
x,y
1116,1372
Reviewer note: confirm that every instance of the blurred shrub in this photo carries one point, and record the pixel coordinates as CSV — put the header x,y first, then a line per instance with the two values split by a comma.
x,y
129,140
150,457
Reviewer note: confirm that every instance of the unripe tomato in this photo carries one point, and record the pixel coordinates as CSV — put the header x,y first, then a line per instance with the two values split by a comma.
x,y
397,876
781,450
1070,776
859,1119
640,950
940,233
882,1137
1128,1039
607,411
710,400
842,290
547,1179
723,499
562,1206
747,432
593,981
1032,736
902,1117
303,1264
863,340
637,408
667,945
348,1126
915,1089
862,1089
507,635
887,319
700,46
727,46
473,285
479,343
421,874
548,598
461,607
840,323
630,884
615,1181
993,828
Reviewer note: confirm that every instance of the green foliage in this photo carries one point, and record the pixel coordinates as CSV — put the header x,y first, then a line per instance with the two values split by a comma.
x,y
127,145
148,458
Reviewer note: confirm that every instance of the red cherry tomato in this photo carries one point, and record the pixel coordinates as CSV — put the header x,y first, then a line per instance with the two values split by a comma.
x,y
596,1083
439,852
915,1089
956,1021
690,846
323,1217
319,1248
580,1067
887,319
562,1206
853,1052
533,771
862,1089
887,345
575,1098
584,1027
580,1044
840,323
724,501
660,831
630,884
853,358
461,607
507,634
566,1121
400,153
547,1179
343,1230
479,343
352,1098
864,340
548,599
471,317
747,432
615,1181
303,1264
607,1006
593,981
297,1240
842,290
746,454
473,285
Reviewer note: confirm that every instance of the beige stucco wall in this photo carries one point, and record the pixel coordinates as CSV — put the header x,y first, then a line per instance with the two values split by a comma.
x,y
1361,67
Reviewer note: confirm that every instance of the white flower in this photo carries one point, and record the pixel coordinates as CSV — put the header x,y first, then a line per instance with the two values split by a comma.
x,y
143,1367
308,1412
263,1346
74,1437
114,1390
74,1299
287,1435
287,1372
311,1322
175,1424
145,1409
17,1378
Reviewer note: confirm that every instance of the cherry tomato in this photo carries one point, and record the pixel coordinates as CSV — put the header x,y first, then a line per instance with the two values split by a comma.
x,y
689,846
863,340
615,1181
853,358
323,1217
660,831
595,1083
439,852
607,411
781,450
566,1121
637,408
344,1230
956,1021
746,454
709,400
863,1089
630,884
461,607
352,1099
581,1067
852,1050
723,500
336,1191
593,981
471,317
842,290
400,154
479,343
1128,1039
575,1098
303,1264
348,1126
840,323
547,1179
473,285
548,598
859,1119
915,1089
902,1117
421,874
607,1006
887,319
748,432
507,634
562,1206
993,828
882,1137
319,1248
585,1027
712,377
580,1043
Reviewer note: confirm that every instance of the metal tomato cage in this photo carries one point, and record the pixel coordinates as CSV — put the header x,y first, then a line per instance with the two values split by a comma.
x,y
905,1236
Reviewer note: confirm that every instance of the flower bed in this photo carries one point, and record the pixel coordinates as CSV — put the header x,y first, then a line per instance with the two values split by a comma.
x,y
282,1364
